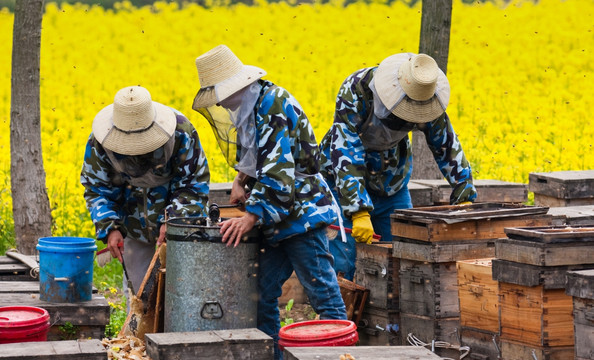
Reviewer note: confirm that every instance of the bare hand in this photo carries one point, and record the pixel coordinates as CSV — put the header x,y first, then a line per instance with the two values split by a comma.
x,y
162,233
113,239
238,193
234,229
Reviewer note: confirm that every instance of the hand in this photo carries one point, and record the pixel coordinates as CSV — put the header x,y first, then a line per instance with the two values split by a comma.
x,y
113,239
238,193
234,228
162,233
362,227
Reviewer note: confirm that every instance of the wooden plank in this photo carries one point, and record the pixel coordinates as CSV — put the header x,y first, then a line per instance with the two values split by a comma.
x,y
247,344
545,254
54,350
443,251
535,316
517,351
574,215
360,353
478,294
379,327
551,277
377,270
583,321
563,184
552,234
420,195
480,211
549,201
354,297
580,284
21,286
487,191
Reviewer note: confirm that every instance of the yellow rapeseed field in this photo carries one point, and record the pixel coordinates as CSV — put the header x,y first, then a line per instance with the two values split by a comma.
x,y
520,75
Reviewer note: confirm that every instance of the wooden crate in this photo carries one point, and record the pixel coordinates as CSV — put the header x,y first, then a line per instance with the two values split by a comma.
x,y
54,350
427,329
429,289
354,297
379,327
573,215
443,251
377,270
562,188
535,316
478,294
517,351
580,285
484,345
550,277
88,319
219,344
360,353
465,222
487,191
13,270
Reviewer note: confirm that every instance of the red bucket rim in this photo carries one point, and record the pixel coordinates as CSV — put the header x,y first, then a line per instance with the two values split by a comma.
x,y
317,329
21,316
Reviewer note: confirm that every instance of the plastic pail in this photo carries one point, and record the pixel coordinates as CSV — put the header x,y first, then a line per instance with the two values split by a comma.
x,y
318,333
23,324
66,269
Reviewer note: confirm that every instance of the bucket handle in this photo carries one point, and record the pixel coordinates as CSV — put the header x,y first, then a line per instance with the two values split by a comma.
x,y
201,235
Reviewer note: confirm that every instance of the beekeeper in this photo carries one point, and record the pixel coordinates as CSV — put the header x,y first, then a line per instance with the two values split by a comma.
x,y
143,160
366,153
266,136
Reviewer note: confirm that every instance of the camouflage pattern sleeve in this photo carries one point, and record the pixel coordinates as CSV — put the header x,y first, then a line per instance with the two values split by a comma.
x,y
447,151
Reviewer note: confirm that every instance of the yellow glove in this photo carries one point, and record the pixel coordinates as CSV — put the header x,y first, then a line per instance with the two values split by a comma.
x,y
362,228
465,203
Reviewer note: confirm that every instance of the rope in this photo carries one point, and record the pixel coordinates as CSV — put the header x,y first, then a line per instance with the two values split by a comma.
x,y
413,340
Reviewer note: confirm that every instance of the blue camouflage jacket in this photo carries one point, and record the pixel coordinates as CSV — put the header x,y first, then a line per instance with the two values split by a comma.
x,y
138,212
355,171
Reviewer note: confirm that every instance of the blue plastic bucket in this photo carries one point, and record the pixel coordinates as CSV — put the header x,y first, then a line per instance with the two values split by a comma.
x,y
66,269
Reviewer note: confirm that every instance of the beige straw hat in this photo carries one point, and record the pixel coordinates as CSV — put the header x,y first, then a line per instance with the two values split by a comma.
x,y
222,74
134,124
412,86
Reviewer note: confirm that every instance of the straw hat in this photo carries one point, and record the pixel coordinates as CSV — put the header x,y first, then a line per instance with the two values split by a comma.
x,y
412,86
222,74
134,124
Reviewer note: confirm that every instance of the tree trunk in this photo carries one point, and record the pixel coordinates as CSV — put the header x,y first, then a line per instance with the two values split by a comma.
x,y
30,202
436,21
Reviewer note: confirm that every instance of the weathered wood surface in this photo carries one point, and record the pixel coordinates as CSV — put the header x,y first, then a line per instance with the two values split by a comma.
x,y
484,345
54,350
478,294
360,353
420,195
438,252
573,215
563,184
551,277
517,351
583,321
427,329
236,344
552,234
219,193
487,191
14,270
535,316
379,327
549,201
354,297
545,254
429,289
580,284
23,287
377,270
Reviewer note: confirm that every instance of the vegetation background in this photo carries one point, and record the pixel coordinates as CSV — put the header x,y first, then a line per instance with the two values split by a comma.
x,y
520,75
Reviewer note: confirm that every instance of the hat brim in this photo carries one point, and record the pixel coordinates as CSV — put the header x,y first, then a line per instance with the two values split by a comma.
x,y
212,95
393,96
134,143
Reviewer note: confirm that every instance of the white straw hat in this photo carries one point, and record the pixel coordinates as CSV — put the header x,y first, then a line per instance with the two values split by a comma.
x,y
221,74
134,124
412,87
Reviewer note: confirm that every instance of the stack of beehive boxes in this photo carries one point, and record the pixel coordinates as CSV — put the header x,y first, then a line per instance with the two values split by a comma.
x,y
562,188
580,285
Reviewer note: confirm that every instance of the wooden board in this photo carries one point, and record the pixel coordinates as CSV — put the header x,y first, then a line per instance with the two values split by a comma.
x,y
420,195
23,287
13,270
583,321
477,211
487,191
429,289
478,294
536,316
54,350
377,270
219,344
517,351
379,327
551,277
552,234
545,254
580,284
563,184
354,297
360,353
484,345
438,252
549,201
573,215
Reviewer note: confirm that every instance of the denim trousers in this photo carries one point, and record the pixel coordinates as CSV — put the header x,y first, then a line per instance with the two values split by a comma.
x,y
345,253
308,255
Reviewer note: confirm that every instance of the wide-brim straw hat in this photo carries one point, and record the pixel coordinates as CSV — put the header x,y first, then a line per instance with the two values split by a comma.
x,y
221,74
134,124
412,86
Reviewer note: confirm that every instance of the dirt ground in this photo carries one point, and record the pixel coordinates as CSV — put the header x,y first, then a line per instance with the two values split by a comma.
x,y
298,312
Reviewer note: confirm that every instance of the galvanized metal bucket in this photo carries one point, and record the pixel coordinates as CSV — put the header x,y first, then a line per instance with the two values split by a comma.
x,y
209,286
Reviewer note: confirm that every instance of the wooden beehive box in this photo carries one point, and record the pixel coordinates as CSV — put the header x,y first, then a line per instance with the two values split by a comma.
x,y
427,329
478,294
420,195
580,285
474,222
379,327
377,270
487,191
354,296
533,315
562,188
54,350
511,350
13,270
360,353
573,215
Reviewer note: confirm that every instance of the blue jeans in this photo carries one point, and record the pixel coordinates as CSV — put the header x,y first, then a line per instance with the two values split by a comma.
x,y
345,253
308,255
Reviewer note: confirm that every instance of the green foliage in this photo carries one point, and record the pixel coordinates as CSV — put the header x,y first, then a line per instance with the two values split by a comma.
x,y
68,331
117,317
287,320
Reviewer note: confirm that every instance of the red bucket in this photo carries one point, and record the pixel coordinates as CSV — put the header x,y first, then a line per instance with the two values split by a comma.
x,y
23,324
318,333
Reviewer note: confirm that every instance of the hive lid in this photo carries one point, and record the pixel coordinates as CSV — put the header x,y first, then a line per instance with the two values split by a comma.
x,y
317,329
552,234
19,316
